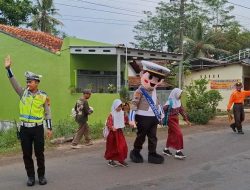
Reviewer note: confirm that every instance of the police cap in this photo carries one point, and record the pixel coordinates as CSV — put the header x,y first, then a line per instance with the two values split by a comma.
x,y
154,68
32,76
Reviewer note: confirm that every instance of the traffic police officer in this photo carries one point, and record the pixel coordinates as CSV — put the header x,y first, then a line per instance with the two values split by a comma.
x,y
34,108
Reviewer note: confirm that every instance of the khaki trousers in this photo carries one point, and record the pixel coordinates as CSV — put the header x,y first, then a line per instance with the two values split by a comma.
x,y
82,130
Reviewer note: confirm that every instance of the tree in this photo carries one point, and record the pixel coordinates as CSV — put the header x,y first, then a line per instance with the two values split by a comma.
x,y
198,45
244,39
43,19
148,35
219,14
15,12
232,40
162,30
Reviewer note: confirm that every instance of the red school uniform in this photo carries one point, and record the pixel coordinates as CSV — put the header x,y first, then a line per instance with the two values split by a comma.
x,y
116,146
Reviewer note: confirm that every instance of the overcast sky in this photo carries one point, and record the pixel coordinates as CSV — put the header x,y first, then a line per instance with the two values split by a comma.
x,y
92,19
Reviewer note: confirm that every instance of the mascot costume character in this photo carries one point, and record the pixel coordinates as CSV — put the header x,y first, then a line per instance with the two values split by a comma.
x,y
146,112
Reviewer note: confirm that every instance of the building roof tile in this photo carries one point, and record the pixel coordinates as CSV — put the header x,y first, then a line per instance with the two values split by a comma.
x,y
35,38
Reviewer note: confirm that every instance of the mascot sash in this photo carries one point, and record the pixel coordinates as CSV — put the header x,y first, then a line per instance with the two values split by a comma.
x,y
151,104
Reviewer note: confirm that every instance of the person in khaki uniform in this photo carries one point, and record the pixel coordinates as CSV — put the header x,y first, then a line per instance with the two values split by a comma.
x,y
34,109
82,112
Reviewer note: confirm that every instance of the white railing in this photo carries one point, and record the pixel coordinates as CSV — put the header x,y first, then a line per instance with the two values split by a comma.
x,y
243,54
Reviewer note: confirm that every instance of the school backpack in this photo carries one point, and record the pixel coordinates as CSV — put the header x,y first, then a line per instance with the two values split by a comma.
x,y
165,119
74,112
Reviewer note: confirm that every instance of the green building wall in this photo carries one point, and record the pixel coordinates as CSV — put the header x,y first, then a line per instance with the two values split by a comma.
x,y
25,57
58,76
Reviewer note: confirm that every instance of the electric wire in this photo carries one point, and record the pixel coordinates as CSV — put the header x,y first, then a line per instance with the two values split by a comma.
x,y
99,22
238,5
99,10
99,18
108,6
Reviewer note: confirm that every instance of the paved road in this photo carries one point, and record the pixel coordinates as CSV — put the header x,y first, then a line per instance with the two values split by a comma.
x,y
217,160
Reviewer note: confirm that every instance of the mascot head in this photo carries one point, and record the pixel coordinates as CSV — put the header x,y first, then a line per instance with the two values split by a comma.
x,y
152,75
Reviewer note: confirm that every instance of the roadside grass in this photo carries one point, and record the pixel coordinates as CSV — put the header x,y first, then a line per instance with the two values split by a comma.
x,y
64,128
8,141
68,127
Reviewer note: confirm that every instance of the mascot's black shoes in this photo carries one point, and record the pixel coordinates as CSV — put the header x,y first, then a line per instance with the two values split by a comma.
x,y
135,156
31,181
155,158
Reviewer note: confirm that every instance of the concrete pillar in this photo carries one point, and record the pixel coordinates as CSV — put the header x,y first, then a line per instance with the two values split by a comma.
x,y
118,87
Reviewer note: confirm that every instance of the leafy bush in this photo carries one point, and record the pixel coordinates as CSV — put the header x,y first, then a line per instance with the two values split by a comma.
x,y
96,130
213,97
65,128
201,116
124,94
68,127
111,88
101,90
201,103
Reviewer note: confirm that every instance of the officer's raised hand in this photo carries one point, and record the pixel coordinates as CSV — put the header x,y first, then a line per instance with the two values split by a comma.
x,y
7,62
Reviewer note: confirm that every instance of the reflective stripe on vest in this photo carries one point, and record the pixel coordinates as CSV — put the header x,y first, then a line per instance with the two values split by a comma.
x,y
32,108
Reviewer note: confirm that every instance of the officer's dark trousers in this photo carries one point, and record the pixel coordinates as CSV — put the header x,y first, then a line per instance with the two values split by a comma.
x,y
239,116
146,126
30,136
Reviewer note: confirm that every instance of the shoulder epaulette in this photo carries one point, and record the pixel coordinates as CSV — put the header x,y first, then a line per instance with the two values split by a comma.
x,y
42,92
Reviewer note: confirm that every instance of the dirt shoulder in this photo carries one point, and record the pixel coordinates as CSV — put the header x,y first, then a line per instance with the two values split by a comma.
x,y
219,123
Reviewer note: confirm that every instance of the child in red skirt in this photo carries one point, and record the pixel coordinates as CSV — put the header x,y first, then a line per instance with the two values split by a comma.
x,y
116,146
172,109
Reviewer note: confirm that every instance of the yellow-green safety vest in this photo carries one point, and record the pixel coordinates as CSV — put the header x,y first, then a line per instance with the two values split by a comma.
x,y
32,107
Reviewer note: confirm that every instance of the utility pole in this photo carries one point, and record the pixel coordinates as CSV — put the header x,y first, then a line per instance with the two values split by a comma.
x,y
126,67
181,28
182,6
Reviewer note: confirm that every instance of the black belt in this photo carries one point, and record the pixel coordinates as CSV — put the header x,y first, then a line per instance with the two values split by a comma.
x,y
238,103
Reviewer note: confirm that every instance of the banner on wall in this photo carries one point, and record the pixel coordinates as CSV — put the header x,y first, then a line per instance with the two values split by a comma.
x,y
223,84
